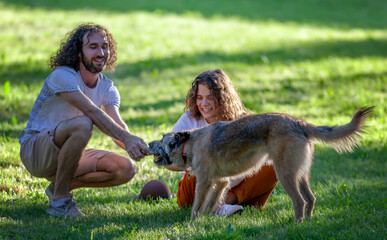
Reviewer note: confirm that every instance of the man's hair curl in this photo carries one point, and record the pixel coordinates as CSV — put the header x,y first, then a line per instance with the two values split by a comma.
x,y
71,46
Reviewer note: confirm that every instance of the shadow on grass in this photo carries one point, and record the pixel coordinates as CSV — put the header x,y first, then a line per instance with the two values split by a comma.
x,y
14,133
25,73
160,104
366,162
35,72
353,203
349,207
291,92
294,91
22,217
347,14
354,211
289,55
28,74
361,222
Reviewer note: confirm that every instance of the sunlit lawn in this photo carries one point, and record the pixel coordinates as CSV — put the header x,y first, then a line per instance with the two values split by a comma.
x,y
318,60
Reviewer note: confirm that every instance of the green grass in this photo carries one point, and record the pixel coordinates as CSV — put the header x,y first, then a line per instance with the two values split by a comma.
x,y
318,60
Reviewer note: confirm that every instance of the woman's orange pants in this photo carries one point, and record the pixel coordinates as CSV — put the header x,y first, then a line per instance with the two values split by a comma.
x,y
252,191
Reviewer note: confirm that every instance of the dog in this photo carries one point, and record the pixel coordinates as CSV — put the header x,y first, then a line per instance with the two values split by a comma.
x,y
222,150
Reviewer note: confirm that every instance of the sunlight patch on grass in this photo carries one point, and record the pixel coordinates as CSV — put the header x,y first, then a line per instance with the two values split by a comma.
x,y
319,65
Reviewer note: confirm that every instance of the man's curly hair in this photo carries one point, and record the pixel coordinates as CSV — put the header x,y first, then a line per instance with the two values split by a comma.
x,y
227,99
71,46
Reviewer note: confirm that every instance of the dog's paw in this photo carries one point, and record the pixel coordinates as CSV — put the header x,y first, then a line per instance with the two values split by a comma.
x,y
194,215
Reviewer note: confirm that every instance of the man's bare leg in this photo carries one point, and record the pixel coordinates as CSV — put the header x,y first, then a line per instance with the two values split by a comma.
x,y
72,137
112,170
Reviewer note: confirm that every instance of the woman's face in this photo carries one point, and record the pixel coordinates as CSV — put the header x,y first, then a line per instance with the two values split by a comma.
x,y
206,103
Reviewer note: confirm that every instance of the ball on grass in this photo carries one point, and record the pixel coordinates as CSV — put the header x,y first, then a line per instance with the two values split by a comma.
x,y
155,189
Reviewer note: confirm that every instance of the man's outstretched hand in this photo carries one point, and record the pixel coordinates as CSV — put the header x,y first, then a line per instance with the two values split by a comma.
x,y
136,148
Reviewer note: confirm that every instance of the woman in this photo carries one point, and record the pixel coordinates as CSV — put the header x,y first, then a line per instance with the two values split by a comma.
x,y
213,98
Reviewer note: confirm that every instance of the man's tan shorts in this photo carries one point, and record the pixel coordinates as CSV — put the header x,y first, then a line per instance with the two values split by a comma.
x,y
39,155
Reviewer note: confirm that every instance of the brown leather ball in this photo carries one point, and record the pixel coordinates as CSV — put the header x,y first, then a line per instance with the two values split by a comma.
x,y
154,189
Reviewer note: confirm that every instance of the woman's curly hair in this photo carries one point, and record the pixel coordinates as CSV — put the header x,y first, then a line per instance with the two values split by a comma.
x,y
71,46
227,99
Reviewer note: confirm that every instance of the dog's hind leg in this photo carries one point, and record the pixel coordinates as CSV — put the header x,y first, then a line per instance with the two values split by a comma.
x,y
292,168
214,196
290,184
201,190
307,194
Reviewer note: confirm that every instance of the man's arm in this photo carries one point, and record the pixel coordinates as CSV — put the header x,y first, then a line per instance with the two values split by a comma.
x,y
135,146
112,111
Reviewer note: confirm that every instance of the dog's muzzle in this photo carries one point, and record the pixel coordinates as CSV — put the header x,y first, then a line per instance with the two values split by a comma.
x,y
161,155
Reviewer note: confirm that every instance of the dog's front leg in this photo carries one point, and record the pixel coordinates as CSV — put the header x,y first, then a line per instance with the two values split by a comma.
x,y
214,196
201,190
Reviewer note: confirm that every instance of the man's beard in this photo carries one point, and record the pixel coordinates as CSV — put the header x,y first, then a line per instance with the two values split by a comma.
x,y
90,66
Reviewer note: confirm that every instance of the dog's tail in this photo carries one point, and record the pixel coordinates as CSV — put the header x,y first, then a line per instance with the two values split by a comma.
x,y
343,138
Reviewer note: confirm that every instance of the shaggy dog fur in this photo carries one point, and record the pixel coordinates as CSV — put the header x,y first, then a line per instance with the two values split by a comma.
x,y
239,148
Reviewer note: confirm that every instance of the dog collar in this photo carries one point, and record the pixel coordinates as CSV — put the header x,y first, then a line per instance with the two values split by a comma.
x,y
184,154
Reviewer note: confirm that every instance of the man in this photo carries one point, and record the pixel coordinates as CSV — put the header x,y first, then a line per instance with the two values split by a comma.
x,y
61,122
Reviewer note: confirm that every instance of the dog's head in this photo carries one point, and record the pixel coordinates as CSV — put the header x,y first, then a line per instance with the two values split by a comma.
x,y
166,151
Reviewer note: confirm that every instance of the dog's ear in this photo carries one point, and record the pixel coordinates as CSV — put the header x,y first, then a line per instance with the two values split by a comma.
x,y
181,137
178,139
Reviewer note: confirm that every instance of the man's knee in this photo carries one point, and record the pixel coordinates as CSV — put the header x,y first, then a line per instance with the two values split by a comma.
x,y
83,125
82,128
129,170
124,168
78,128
